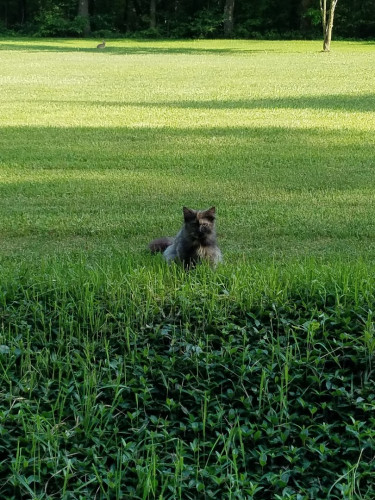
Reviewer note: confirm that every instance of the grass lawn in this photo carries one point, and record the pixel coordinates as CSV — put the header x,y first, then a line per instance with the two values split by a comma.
x,y
121,377
101,150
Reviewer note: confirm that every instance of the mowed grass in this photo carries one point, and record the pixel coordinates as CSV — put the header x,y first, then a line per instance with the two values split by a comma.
x,y
121,377
100,150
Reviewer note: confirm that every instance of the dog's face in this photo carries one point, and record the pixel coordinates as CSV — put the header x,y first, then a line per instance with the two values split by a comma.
x,y
199,223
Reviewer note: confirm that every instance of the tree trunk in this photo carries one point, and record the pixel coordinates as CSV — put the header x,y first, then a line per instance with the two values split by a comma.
x,y
22,11
304,22
327,22
131,16
228,18
152,14
83,11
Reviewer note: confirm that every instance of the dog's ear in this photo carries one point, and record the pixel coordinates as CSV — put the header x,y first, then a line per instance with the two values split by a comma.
x,y
189,214
210,213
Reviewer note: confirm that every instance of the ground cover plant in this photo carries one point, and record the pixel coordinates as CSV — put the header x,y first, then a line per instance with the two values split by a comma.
x,y
123,378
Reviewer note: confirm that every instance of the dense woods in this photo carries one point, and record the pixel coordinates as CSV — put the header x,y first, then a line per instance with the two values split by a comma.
x,y
184,18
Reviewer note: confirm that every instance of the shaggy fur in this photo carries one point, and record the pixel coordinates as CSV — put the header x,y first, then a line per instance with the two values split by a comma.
x,y
160,244
196,241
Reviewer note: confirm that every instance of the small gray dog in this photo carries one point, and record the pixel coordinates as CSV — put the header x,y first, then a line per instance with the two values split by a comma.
x,y
195,242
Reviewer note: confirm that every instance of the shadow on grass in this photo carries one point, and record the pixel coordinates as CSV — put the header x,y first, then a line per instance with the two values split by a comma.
x,y
280,155
274,187
143,47
344,102
348,102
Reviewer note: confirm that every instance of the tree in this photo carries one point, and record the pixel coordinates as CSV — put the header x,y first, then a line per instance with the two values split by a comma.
x,y
131,16
152,14
228,18
327,22
83,11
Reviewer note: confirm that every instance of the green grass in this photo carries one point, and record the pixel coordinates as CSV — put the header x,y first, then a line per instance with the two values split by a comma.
x,y
121,377
101,150
129,381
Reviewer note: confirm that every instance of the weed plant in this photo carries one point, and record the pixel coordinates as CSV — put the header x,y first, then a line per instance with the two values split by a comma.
x,y
144,381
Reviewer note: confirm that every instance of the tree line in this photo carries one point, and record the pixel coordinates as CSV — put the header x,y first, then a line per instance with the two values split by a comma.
x,y
185,18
